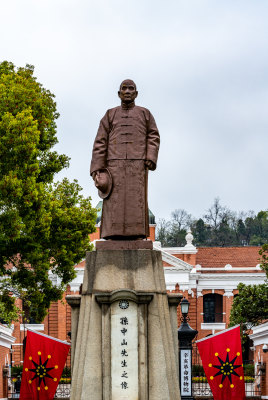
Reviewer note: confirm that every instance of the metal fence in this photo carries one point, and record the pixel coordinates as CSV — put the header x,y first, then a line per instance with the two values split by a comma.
x,y
200,386
63,390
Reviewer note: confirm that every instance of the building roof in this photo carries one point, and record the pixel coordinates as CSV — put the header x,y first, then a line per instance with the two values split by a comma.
x,y
237,257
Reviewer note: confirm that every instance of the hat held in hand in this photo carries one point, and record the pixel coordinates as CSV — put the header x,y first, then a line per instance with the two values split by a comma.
x,y
103,182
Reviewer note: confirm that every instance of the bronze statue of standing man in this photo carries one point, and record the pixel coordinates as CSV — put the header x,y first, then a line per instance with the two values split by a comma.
x,y
125,148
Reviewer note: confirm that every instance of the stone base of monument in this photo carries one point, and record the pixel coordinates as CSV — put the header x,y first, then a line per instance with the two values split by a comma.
x,y
124,329
124,244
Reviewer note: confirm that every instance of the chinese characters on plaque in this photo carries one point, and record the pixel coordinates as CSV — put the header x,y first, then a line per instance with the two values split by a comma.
x,y
186,373
124,351
124,304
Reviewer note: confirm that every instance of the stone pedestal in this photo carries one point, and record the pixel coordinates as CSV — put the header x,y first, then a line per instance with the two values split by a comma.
x,y
124,337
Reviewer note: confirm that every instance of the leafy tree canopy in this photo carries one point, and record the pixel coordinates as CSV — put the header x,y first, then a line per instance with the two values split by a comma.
x,y
43,226
264,253
250,306
219,226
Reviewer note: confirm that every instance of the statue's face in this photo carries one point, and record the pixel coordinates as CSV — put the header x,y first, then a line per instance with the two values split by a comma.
x,y
127,91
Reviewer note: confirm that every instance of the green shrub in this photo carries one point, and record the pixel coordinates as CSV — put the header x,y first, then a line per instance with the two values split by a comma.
x,y
198,370
66,373
249,379
16,370
197,379
65,380
249,369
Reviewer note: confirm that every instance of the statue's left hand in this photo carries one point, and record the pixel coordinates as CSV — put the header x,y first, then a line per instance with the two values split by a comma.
x,y
149,164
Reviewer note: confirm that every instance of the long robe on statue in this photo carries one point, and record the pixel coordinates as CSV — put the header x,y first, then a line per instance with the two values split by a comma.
x,y
127,136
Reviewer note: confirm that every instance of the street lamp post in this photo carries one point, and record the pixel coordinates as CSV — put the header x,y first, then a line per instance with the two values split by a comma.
x,y
185,336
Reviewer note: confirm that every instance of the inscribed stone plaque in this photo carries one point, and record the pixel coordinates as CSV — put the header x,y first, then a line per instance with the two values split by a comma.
x,y
186,373
124,352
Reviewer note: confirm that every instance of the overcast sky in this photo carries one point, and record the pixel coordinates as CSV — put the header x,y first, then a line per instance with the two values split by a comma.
x,y
201,67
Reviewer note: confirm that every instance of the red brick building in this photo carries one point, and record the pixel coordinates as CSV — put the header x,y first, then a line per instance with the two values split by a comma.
x,y
6,341
259,338
207,277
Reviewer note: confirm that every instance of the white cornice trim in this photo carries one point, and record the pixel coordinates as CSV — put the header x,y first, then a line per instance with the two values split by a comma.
x,y
260,334
55,279
6,329
187,249
174,261
6,338
75,283
6,341
226,268
190,280
78,280
213,326
34,327
229,276
227,282
228,292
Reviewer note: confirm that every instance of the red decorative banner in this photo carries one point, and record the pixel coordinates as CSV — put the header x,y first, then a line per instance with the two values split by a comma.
x,y
221,356
43,364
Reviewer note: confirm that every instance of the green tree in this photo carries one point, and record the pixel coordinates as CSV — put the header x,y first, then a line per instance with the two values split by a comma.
x,y
172,233
43,226
200,232
220,220
219,227
241,235
216,214
264,260
250,306
163,232
225,234
179,225
259,225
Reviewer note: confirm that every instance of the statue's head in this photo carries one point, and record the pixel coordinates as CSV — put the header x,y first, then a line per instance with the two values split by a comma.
x,y
127,91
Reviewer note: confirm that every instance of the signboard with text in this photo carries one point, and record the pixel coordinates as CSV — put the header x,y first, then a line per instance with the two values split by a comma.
x,y
124,350
186,373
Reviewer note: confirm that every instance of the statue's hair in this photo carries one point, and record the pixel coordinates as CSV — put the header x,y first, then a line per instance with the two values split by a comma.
x,y
128,81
